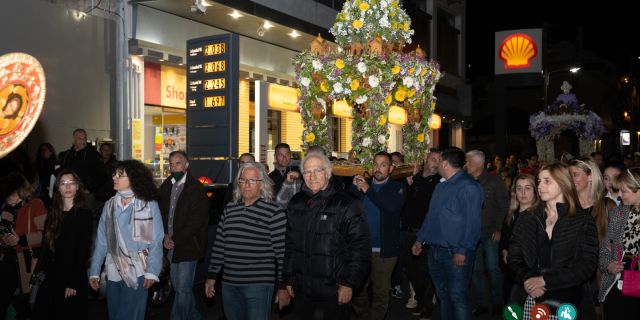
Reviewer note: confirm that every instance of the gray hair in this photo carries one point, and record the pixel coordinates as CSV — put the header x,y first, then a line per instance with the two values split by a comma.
x,y
476,154
266,185
327,163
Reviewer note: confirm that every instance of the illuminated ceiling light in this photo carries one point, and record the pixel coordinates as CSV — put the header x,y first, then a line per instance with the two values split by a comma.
x,y
267,25
293,34
574,69
206,3
235,14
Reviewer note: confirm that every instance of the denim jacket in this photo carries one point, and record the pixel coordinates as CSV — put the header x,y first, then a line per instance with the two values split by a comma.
x,y
154,259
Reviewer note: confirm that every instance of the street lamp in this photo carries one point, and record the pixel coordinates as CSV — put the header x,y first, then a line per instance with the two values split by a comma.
x,y
547,75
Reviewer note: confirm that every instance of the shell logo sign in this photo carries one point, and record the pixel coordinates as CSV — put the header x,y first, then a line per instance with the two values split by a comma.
x,y
517,51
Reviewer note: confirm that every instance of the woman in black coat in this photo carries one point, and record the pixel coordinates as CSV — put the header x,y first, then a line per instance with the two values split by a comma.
x,y
554,250
66,241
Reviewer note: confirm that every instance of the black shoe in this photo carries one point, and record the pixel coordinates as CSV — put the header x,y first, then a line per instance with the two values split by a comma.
x,y
426,313
480,310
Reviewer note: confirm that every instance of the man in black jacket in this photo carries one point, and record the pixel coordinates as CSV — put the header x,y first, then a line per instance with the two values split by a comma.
x,y
382,199
185,215
328,246
283,169
85,161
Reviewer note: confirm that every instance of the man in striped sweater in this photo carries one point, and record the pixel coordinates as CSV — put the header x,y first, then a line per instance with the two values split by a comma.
x,y
250,246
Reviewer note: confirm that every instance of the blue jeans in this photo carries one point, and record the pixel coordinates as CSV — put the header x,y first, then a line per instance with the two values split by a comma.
x,y
247,302
488,255
184,303
451,282
124,302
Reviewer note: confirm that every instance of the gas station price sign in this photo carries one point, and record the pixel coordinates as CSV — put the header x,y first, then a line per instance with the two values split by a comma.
x,y
209,70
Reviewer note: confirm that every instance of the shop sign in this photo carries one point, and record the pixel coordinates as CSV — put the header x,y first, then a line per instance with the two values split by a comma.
x,y
283,98
518,51
22,93
137,141
165,85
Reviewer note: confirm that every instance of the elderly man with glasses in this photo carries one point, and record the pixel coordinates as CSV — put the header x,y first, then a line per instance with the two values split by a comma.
x,y
328,248
249,247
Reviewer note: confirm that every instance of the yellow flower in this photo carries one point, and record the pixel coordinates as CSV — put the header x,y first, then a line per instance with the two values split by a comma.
x,y
394,4
395,69
310,137
420,137
411,93
394,25
364,6
423,72
355,84
405,27
382,120
357,24
339,63
433,105
387,99
400,95
412,70
392,13
324,87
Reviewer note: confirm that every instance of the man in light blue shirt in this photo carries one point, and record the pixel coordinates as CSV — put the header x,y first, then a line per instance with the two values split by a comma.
x,y
452,231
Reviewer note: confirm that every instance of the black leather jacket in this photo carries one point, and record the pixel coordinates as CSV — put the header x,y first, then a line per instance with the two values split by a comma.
x,y
327,243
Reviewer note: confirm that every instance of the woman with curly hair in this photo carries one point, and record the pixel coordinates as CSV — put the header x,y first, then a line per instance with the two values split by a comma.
x,y
65,252
130,235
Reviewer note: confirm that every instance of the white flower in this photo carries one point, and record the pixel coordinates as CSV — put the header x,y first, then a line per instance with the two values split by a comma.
x,y
382,139
305,81
373,81
362,68
317,65
383,4
366,142
408,82
384,22
361,99
337,87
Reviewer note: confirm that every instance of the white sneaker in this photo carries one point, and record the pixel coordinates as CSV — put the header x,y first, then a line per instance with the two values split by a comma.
x,y
411,303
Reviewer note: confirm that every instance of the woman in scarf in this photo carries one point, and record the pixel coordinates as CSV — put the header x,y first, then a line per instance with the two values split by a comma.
x,y
130,234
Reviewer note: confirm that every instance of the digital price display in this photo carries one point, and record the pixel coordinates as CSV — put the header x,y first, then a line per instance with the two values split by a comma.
x,y
215,49
214,102
215,66
214,84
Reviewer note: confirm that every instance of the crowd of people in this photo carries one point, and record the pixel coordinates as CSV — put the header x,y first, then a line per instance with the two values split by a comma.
x,y
460,230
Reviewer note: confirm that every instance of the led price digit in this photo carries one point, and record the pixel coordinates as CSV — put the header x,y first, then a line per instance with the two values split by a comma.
x,y
214,84
213,49
214,66
215,101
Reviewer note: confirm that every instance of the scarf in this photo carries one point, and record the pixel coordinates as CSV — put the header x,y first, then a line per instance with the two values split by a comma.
x,y
142,231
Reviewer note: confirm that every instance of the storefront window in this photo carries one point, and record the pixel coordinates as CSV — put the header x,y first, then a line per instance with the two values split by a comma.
x,y
165,132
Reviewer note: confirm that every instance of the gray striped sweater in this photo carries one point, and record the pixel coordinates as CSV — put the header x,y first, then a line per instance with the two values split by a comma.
x,y
249,246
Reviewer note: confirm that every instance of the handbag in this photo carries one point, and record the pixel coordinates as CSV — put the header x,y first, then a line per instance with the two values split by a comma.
x,y
631,280
27,263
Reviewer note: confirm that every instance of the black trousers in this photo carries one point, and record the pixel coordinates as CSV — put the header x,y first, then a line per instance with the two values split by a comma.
x,y
320,309
9,282
417,270
617,306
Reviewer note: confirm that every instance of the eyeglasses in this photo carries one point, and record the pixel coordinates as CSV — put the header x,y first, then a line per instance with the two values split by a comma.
x,y
313,172
251,182
118,175
68,183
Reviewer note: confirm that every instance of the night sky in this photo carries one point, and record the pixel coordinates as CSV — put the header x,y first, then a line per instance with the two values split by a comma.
x,y
610,29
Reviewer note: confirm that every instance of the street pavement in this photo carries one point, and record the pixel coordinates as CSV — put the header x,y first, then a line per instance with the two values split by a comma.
x,y
212,310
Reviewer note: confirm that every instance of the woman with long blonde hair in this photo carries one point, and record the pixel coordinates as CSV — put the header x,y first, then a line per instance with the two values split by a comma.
x,y
554,251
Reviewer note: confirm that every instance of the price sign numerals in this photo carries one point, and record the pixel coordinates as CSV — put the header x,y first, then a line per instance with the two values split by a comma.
x,y
214,84
215,66
214,101
214,49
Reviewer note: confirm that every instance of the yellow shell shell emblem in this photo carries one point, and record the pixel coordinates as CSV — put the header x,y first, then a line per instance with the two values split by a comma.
x,y
517,51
